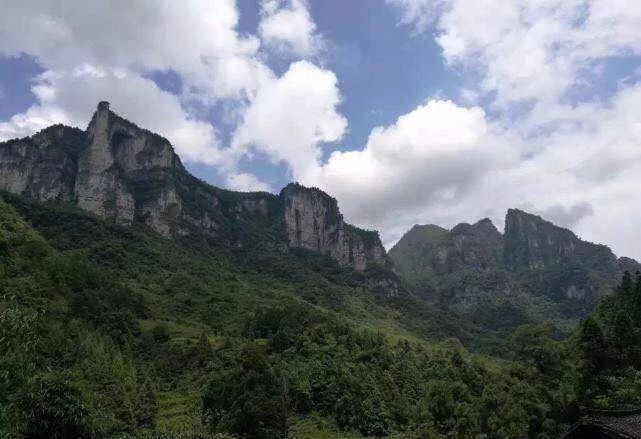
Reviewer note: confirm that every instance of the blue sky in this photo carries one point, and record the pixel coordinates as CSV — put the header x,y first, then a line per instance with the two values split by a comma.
x,y
407,111
383,70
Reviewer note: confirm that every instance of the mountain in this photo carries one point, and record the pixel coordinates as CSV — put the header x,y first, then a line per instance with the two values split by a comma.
x,y
534,271
138,301
128,175
109,332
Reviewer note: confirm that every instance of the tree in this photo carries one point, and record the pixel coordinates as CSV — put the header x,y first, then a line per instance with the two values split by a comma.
x,y
55,409
250,400
594,357
535,345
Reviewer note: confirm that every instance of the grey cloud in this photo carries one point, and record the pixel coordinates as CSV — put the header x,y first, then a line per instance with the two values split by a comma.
x,y
567,216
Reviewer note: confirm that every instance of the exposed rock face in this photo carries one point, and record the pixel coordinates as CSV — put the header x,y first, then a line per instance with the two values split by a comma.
x,y
127,174
531,242
313,222
458,266
435,250
534,261
43,166
558,263
477,245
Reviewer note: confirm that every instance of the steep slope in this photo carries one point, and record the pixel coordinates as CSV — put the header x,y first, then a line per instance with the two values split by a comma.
x,y
554,262
313,222
128,175
114,331
534,272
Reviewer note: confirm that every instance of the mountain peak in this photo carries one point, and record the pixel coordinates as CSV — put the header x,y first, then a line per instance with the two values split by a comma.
x,y
314,222
103,106
127,174
531,241
533,254
481,227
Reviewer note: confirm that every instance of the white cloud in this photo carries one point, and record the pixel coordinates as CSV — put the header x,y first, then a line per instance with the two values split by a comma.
x,y
567,216
419,13
290,117
577,162
197,38
529,50
434,154
246,183
287,27
94,51
441,162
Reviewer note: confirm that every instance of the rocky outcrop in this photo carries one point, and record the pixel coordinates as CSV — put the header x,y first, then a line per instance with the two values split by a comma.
x,y
458,266
124,173
313,222
434,250
532,242
475,266
558,263
128,175
43,166
477,245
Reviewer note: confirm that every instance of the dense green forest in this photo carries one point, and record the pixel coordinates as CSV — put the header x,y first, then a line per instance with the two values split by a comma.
x,y
115,332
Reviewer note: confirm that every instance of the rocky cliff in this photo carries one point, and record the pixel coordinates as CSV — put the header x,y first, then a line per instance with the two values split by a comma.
x,y
558,263
313,222
129,175
534,265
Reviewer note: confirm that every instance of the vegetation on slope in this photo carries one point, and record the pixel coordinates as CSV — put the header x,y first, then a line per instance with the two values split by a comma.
x,y
115,332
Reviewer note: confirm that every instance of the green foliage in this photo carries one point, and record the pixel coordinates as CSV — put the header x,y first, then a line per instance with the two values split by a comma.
x,y
250,399
609,346
112,332
54,408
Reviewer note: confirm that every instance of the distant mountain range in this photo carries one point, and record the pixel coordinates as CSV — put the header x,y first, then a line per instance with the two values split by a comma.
x,y
534,271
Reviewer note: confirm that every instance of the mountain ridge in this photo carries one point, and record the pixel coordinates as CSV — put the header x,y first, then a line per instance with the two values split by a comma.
x,y
128,174
533,260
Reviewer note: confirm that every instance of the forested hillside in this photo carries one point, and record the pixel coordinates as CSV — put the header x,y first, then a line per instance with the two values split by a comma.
x,y
110,332
138,301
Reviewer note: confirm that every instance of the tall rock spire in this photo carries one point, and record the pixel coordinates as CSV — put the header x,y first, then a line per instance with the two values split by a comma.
x,y
98,189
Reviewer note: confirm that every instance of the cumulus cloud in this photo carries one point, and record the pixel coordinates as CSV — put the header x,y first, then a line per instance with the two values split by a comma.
x,y
290,116
568,216
287,27
531,145
566,153
529,50
434,153
94,51
246,183
197,38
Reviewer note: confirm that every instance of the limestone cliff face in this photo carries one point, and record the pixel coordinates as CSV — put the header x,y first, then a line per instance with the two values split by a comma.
x,y
435,250
460,266
313,222
43,166
128,175
532,242
478,245
123,173
470,263
558,262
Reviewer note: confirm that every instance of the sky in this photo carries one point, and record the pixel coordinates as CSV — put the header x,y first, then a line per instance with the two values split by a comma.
x,y
407,111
